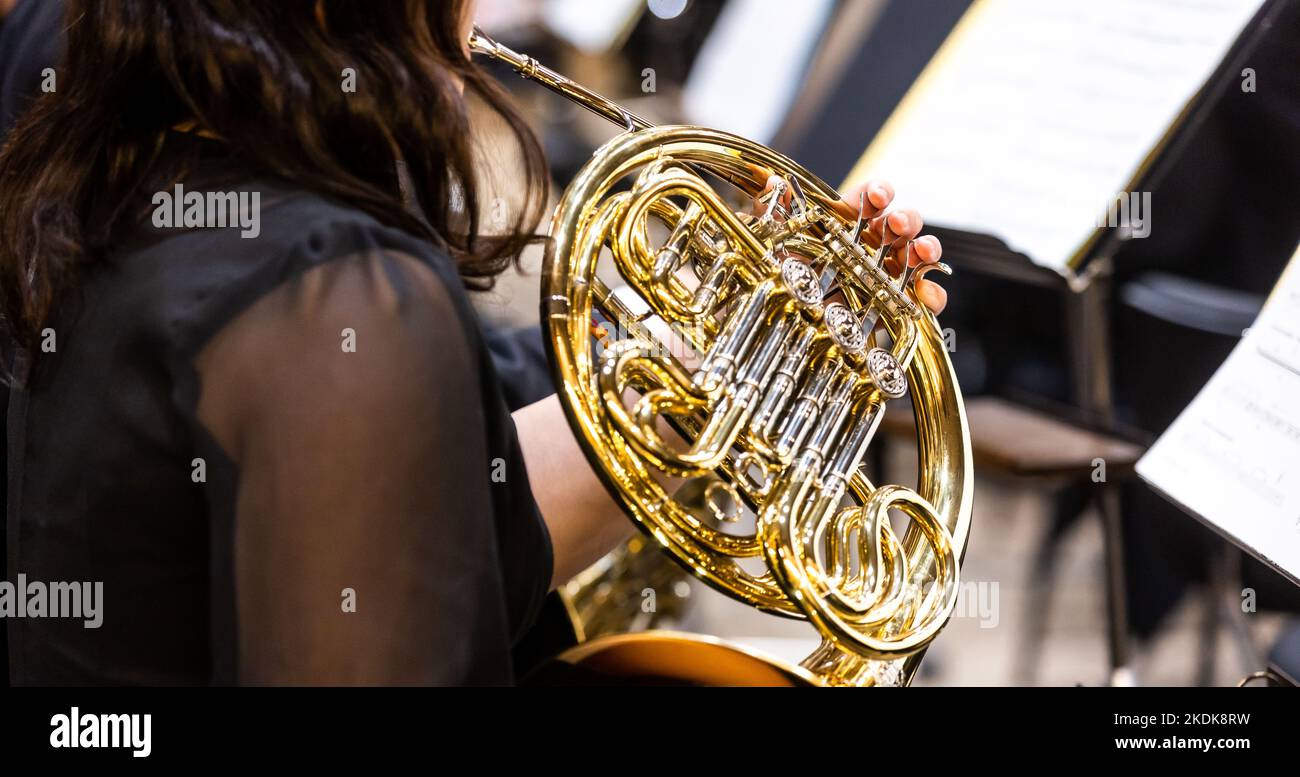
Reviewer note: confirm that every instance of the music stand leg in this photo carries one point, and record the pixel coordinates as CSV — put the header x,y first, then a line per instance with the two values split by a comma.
x,y
1089,333
1117,631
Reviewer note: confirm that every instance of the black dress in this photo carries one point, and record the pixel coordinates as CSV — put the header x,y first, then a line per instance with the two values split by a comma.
x,y
31,38
372,520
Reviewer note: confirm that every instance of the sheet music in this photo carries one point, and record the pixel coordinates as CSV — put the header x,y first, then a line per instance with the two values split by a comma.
x,y
745,88
590,25
1233,456
1035,115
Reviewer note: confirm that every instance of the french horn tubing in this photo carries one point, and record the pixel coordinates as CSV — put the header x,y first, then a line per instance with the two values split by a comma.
x,y
744,466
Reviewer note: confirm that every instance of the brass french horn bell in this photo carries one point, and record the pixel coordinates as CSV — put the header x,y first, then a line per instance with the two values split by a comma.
x,y
745,465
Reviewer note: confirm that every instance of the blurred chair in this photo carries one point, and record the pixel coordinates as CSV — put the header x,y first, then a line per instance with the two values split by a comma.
x,y
1044,451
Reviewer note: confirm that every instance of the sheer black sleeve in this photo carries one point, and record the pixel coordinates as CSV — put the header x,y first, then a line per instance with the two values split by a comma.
x,y
367,543
519,357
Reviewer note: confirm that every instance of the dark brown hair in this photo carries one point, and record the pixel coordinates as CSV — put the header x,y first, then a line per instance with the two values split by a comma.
x,y
265,78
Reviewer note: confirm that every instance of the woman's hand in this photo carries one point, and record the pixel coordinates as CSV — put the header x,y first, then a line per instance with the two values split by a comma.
x,y
898,228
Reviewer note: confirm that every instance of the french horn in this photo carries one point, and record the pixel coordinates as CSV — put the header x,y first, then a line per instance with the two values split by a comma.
x,y
744,464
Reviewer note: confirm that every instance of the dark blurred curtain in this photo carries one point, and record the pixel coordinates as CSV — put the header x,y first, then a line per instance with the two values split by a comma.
x,y
30,41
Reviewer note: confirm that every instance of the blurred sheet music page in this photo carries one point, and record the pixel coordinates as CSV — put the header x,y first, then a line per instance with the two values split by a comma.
x,y
1033,116
590,25
753,64
1232,457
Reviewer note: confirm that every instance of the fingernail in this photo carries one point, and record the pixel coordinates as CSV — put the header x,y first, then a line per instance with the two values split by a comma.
x,y
878,196
898,223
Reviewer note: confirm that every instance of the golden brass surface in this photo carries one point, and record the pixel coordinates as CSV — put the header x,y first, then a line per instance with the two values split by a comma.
x,y
744,463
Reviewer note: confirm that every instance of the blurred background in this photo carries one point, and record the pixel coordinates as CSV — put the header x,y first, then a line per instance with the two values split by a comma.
x,y
817,80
